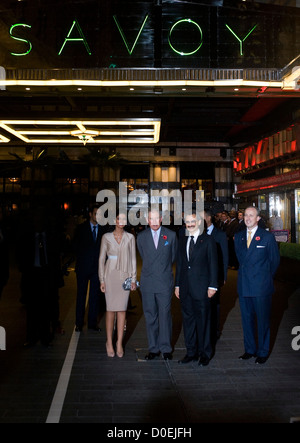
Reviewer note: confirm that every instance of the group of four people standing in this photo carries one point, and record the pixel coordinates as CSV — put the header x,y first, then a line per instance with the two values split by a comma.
x,y
197,282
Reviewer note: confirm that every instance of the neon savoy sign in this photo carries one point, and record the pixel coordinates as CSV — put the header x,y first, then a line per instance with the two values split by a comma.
x,y
76,28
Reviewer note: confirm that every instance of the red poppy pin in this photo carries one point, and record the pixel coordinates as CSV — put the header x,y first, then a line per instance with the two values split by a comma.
x,y
165,237
257,238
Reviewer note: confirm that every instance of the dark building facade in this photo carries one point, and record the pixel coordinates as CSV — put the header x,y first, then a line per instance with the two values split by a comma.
x,y
161,95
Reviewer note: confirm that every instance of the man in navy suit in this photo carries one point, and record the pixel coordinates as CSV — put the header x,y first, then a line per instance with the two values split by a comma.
x,y
87,241
196,283
157,247
259,258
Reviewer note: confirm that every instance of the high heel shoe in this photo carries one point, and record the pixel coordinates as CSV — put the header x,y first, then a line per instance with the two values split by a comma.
x,y
110,353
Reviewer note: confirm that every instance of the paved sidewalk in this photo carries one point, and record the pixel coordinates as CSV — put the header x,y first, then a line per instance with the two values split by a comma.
x,y
132,390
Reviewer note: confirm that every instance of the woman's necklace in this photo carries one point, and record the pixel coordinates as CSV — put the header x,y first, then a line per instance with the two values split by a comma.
x,y
118,237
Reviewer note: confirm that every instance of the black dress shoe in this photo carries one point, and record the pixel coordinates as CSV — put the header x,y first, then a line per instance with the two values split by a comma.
x,y
78,328
204,360
167,356
187,359
246,356
261,360
152,355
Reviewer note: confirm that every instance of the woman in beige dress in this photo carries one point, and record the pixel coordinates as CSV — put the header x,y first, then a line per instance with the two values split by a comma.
x,y
117,261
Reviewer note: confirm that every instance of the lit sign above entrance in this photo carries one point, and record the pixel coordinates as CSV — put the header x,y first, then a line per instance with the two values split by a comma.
x,y
82,39
152,34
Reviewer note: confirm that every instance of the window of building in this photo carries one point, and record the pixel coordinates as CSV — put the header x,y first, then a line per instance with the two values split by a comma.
x,y
136,176
198,176
10,185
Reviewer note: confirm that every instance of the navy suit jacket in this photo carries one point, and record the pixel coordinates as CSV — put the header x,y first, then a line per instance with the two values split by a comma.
x,y
258,264
201,272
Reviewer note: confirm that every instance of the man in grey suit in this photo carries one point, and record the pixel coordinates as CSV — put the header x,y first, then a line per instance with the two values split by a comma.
x,y
157,247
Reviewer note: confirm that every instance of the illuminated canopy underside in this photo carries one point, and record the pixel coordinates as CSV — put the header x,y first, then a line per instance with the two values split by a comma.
x,y
82,132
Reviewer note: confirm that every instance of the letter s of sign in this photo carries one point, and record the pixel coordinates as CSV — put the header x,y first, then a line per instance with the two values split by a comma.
x,y
20,39
296,340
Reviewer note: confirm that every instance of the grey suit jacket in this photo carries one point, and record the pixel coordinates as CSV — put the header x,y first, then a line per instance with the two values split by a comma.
x,y
157,274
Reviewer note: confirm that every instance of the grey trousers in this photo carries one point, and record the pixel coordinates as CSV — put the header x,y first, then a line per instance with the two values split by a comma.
x,y
158,318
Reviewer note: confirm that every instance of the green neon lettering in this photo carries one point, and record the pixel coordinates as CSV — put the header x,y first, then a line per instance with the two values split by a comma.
x,y
241,41
130,51
20,39
80,39
200,41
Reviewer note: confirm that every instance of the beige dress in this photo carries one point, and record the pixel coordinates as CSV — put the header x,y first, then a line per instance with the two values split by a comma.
x,y
116,263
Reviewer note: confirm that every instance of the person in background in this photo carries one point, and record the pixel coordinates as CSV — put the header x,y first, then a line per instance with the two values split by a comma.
x,y
222,250
38,253
276,223
258,256
223,221
217,220
117,262
231,228
87,241
240,216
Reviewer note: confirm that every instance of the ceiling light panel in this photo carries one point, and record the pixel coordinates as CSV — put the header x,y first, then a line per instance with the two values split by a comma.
x,y
80,131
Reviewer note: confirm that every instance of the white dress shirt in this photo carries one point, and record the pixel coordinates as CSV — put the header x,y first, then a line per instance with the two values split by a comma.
x,y
158,234
210,229
195,235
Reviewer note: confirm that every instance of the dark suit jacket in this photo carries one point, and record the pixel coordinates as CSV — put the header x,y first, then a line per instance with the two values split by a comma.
x,y
241,226
87,251
222,249
25,255
258,264
156,274
201,272
232,227
26,250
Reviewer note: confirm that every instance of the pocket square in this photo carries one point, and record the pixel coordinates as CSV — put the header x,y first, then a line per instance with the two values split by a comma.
x,y
260,246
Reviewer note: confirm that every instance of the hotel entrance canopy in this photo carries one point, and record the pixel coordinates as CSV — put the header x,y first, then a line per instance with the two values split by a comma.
x,y
196,107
